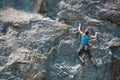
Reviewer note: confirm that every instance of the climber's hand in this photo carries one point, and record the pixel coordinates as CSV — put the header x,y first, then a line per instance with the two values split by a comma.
x,y
79,24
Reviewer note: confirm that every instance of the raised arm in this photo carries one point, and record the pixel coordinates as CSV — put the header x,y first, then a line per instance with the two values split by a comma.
x,y
93,37
79,29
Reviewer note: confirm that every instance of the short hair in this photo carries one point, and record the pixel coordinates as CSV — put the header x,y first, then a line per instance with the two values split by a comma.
x,y
86,31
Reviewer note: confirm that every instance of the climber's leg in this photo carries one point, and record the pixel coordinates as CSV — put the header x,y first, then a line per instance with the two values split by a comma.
x,y
91,58
80,56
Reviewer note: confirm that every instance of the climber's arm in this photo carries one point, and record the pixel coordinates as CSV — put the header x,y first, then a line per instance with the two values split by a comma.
x,y
95,36
79,29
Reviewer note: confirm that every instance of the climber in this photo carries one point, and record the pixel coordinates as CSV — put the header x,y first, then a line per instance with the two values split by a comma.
x,y
84,46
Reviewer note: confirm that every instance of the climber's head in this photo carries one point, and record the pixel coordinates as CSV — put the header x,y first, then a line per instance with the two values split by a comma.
x,y
86,31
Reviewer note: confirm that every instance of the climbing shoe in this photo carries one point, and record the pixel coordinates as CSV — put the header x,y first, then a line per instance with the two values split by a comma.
x,y
83,63
95,66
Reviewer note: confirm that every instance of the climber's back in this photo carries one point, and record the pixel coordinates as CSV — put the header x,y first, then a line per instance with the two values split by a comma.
x,y
85,37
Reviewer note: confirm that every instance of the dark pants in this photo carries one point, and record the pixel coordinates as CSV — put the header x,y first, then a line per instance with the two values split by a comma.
x,y
81,51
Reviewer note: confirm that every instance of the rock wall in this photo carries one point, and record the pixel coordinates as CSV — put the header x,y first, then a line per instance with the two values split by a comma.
x,y
44,45
115,68
26,5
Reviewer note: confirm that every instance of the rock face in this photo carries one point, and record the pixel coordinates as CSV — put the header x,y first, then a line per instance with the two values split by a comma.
x,y
115,68
26,5
44,45
110,15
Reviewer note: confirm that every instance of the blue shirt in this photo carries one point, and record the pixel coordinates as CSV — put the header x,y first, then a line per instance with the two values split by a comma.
x,y
85,39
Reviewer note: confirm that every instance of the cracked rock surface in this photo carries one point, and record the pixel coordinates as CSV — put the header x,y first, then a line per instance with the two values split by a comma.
x,y
40,42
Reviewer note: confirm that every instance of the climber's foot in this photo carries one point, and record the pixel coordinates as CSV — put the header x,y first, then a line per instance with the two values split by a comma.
x,y
83,63
95,66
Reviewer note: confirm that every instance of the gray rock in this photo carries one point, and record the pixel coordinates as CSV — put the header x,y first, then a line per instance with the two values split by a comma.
x,y
39,47
27,5
110,15
93,22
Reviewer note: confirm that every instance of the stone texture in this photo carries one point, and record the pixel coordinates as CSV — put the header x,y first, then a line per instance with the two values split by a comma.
x,y
43,46
93,22
110,15
26,5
